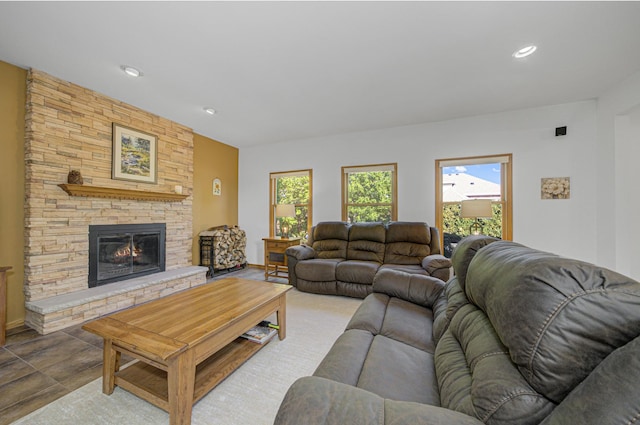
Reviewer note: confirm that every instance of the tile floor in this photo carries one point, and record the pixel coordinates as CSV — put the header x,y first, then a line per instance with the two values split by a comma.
x,y
38,369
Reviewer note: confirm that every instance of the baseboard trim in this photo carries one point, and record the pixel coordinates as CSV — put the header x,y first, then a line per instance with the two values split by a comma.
x,y
15,324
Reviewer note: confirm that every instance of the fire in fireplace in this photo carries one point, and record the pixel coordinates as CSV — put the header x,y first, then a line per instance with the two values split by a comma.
x,y
123,251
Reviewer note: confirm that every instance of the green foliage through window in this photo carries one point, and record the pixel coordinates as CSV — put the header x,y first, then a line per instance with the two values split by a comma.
x,y
293,190
455,225
369,196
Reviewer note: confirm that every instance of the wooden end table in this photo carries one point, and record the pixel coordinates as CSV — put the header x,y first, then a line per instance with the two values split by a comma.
x,y
275,257
186,343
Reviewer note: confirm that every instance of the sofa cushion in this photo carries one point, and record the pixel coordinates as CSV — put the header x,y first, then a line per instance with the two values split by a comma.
x,y
356,290
452,298
415,288
330,248
464,253
407,268
558,317
331,230
381,365
316,287
361,272
318,269
396,319
593,402
330,239
476,375
370,314
315,400
407,231
344,361
435,262
400,372
407,243
410,324
366,242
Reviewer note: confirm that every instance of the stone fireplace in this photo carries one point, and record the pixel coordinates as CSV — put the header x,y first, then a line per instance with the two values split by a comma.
x,y
124,251
69,127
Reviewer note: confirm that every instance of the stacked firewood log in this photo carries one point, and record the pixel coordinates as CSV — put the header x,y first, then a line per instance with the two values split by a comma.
x,y
223,248
237,257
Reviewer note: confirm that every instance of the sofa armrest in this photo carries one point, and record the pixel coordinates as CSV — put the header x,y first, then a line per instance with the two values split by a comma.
x,y
437,266
301,252
294,254
315,400
412,287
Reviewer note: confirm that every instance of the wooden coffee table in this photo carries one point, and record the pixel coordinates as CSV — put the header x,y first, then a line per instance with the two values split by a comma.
x,y
186,343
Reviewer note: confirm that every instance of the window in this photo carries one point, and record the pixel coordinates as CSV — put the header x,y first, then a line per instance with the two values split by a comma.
x,y
369,193
290,203
472,178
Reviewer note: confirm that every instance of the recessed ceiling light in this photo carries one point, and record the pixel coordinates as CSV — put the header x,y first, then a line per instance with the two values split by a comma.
x,y
131,71
524,52
210,111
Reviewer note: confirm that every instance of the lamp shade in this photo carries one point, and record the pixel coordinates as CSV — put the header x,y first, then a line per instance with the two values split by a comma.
x,y
285,210
477,208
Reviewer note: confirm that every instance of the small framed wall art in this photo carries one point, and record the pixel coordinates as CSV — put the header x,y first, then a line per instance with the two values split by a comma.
x,y
555,188
217,187
135,155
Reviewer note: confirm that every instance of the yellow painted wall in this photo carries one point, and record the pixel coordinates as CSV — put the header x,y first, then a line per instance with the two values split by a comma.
x,y
13,83
211,160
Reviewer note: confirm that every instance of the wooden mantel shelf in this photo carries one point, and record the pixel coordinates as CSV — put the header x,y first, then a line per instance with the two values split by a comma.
x,y
112,192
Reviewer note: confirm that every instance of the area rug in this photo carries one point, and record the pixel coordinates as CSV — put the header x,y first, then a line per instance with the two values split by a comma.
x,y
251,395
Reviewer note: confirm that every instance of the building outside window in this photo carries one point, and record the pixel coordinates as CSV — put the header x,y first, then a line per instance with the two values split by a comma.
x,y
369,193
290,203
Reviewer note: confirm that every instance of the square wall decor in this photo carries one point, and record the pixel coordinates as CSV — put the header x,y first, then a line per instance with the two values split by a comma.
x,y
555,188
134,155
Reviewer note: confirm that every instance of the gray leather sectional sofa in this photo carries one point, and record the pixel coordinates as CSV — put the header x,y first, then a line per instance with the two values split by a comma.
x,y
343,259
518,336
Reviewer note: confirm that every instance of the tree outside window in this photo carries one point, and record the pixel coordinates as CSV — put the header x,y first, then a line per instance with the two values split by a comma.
x,y
291,188
369,193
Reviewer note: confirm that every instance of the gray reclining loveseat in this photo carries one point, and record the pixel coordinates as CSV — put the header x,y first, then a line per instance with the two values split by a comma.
x,y
343,259
518,336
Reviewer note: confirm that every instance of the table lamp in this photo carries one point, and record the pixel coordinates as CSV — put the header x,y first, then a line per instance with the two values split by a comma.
x,y
476,208
285,210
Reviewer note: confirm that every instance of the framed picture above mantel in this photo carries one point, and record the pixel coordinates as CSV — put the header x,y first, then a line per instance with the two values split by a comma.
x,y
135,155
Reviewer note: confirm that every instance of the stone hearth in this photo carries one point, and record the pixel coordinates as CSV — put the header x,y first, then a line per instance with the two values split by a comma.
x,y
55,313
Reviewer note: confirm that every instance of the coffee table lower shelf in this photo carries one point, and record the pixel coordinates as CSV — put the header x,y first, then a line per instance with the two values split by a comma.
x,y
150,383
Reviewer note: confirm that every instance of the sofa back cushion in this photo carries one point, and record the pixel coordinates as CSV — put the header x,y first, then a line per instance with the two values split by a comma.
x,y
330,239
407,243
449,302
366,242
609,395
476,376
559,318
464,252
434,244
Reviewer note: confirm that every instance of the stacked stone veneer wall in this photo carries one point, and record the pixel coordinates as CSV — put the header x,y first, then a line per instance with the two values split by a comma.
x,y
69,127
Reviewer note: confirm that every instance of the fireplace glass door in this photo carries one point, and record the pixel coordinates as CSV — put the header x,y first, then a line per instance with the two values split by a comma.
x,y
124,254
125,251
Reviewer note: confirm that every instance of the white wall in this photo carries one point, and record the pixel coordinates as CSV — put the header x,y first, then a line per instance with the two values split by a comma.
x,y
619,146
566,227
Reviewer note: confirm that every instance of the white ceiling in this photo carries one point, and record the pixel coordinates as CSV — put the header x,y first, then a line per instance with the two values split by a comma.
x,y
278,71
